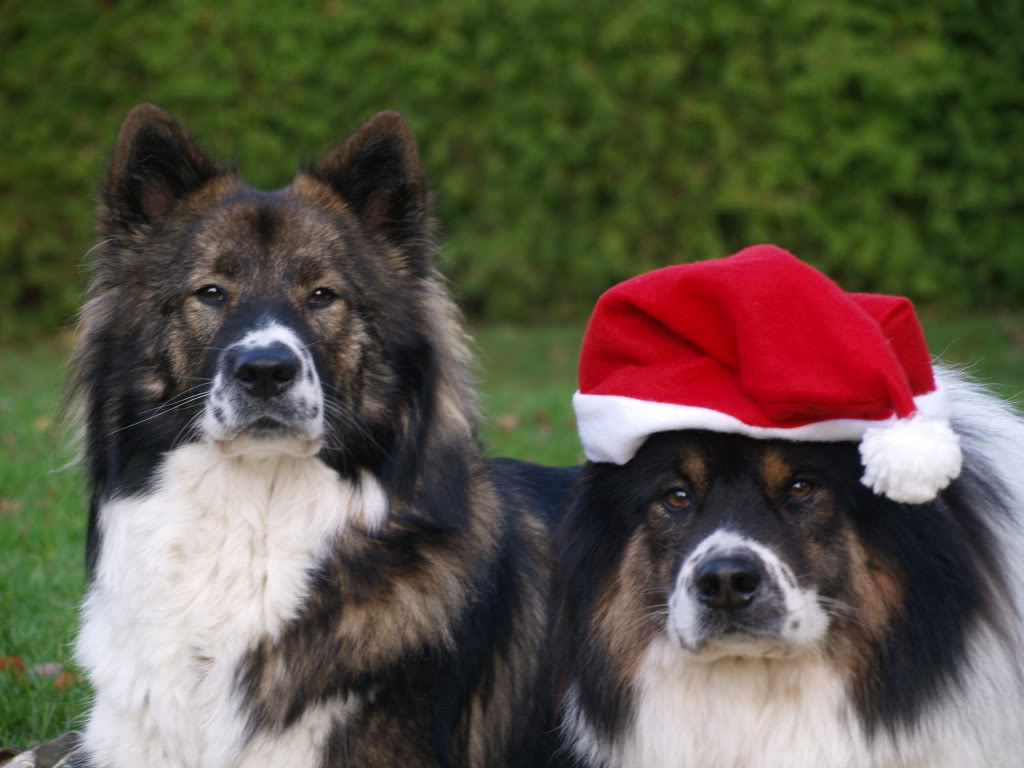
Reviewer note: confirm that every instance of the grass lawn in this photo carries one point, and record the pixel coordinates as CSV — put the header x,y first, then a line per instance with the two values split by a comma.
x,y
527,375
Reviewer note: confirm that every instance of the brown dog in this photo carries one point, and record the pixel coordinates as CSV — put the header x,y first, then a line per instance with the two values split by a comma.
x,y
298,555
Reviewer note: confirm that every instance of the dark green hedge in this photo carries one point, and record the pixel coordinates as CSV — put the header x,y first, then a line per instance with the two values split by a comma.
x,y
572,144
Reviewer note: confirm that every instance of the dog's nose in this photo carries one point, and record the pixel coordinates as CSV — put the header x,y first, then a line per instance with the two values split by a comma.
x,y
266,371
728,583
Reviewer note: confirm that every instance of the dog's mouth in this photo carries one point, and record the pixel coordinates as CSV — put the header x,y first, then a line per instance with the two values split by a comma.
x,y
742,641
266,427
740,632
771,633
265,437
746,648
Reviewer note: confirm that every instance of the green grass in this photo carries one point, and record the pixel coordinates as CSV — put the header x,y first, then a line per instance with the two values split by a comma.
x,y
527,379
527,376
42,528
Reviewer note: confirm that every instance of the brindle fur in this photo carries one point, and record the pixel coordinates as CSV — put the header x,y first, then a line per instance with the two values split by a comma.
x,y
440,616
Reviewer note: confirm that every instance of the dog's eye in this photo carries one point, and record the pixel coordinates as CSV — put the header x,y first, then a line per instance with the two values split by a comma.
x,y
800,489
676,499
321,297
211,294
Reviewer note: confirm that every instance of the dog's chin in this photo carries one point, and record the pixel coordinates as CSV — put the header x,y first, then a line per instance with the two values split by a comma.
x,y
266,438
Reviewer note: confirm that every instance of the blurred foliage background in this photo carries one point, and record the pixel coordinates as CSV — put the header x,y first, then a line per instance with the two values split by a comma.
x,y
571,144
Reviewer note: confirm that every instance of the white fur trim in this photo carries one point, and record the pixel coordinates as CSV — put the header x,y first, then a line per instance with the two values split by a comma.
x,y
910,461
612,428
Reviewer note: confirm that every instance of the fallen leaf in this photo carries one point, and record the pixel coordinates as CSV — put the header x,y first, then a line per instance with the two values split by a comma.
x,y
10,507
507,422
13,663
65,680
47,671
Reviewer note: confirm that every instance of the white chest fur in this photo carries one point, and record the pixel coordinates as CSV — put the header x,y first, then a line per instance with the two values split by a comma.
x,y
739,713
796,714
189,577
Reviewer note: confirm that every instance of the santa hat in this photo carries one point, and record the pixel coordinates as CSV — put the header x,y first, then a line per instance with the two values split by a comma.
x,y
761,344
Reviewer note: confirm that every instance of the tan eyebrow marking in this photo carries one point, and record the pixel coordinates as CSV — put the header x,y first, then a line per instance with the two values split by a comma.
x,y
695,469
776,472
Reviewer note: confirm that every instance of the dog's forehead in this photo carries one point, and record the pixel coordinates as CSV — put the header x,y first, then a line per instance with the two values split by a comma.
x,y
273,233
704,459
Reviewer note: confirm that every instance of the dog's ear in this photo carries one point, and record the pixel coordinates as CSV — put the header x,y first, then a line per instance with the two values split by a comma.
x,y
155,164
377,172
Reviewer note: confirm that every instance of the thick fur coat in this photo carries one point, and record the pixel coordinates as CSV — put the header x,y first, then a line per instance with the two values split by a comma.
x,y
857,632
298,555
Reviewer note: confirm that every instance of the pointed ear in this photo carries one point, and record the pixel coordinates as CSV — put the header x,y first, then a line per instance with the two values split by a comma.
x,y
377,172
155,164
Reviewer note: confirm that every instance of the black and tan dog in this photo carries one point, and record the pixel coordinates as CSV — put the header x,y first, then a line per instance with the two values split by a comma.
x,y
746,589
298,556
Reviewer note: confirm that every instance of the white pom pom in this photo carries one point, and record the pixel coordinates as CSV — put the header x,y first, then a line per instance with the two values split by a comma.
x,y
910,460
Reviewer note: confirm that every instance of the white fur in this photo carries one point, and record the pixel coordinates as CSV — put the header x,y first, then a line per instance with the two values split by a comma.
x,y
806,622
796,713
613,427
189,577
912,460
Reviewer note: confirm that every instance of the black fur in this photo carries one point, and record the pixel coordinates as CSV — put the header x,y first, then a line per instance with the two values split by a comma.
x,y
955,579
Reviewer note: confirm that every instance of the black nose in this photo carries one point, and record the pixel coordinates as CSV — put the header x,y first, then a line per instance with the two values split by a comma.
x,y
728,583
266,371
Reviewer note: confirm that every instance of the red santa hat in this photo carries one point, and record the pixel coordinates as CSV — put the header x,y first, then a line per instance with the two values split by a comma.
x,y
761,344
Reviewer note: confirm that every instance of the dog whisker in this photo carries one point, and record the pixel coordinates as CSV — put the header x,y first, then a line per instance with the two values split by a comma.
x,y
176,407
